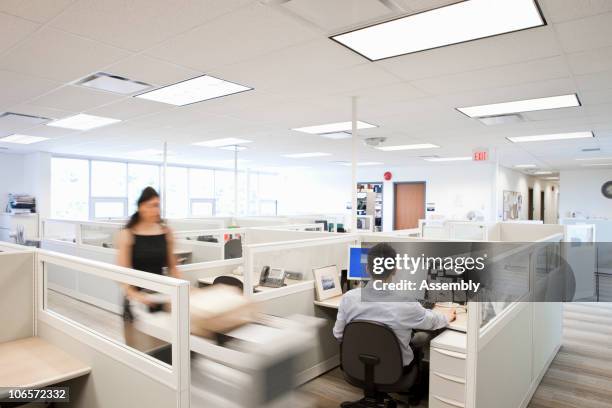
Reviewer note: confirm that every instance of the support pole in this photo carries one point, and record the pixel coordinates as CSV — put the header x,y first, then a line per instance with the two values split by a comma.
x,y
355,140
235,181
164,192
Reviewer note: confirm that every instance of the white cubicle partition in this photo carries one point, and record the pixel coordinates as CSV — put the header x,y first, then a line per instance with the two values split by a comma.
x,y
454,230
264,235
522,338
191,224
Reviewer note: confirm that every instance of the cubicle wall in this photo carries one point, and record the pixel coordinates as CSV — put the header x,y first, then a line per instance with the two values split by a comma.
x,y
298,296
523,336
16,292
121,376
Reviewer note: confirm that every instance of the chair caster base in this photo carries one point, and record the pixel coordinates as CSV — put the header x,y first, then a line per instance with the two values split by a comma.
x,y
370,403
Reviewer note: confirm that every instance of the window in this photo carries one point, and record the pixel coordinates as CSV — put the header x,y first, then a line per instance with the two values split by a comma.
x,y
224,192
202,207
109,208
69,188
108,179
176,201
141,176
201,183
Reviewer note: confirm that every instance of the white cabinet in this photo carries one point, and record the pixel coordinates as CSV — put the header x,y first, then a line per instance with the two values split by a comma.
x,y
447,370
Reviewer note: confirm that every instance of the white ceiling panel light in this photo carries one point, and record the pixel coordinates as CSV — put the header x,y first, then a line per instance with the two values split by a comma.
x,y
417,146
347,163
333,128
337,135
526,105
596,164
234,148
13,121
525,166
542,173
113,83
557,136
194,90
223,142
83,121
460,22
593,158
22,139
447,159
305,155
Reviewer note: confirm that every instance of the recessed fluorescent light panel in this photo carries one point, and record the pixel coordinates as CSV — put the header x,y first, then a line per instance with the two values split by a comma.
x,y
447,159
194,90
596,164
527,105
594,158
525,166
83,122
541,173
14,121
337,135
453,24
346,163
408,147
22,139
113,83
226,141
305,155
334,127
234,148
558,136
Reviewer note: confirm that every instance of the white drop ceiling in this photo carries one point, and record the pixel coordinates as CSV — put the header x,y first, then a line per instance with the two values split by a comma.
x,y
301,78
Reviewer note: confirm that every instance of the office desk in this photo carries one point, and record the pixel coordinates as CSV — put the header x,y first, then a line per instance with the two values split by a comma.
x,y
209,281
183,256
34,363
460,324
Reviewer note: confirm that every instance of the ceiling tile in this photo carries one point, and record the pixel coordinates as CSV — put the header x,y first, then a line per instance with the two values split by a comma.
x,y
238,36
130,108
338,14
591,82
14,29
585,34
75,98
151,70
60,56
515,74
473,55
562,10
591,61
17,88
40,11
139,24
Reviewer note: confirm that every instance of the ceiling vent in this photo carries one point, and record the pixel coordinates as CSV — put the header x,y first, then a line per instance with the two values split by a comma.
x,y
592,149
11,122
501,119
374,141
113,83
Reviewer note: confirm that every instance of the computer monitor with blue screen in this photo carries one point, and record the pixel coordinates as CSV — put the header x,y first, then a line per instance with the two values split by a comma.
x,y
358,263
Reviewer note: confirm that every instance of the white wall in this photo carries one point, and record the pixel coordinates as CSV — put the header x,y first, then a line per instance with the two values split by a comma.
x,y
37,180
12,179
454,189
580,190
313,191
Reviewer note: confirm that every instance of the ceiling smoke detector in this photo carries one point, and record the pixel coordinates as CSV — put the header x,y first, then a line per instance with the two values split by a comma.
x,y
374,141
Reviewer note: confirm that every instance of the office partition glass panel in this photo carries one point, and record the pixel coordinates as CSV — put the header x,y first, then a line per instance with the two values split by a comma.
x,y
140,176
201,183
108,179
69,188
177,201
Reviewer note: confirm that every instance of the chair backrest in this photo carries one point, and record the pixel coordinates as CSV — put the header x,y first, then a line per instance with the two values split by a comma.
x,y
233,249
365,339
229,280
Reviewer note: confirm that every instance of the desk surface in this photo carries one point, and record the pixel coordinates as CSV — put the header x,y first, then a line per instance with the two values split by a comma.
x,y
210,279
459,324
32,363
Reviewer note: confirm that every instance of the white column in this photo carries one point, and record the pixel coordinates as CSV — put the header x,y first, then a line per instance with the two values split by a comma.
x,y
164,183
355,140
235,181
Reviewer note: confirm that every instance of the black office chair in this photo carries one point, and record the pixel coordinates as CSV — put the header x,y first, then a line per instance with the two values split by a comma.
x,y
233,249
371,359
229,280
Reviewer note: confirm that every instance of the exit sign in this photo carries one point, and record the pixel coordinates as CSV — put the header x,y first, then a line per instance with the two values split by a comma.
x,y
480,155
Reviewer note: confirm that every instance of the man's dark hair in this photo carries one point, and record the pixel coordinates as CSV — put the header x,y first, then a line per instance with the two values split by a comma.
x,y
381,251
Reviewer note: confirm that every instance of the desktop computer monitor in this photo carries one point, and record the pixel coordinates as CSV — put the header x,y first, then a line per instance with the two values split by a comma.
x,y
358,263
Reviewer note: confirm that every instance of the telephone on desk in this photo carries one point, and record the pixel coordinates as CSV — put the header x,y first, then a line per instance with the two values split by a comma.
x,y
272,277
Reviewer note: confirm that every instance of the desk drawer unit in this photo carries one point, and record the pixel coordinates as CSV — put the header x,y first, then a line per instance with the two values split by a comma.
x,y
446,379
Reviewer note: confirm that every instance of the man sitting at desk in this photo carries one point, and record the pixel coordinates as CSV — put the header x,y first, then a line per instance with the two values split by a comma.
x,y
401,316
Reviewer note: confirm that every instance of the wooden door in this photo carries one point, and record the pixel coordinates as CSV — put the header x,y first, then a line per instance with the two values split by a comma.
x,y
542,206
409,205
530,206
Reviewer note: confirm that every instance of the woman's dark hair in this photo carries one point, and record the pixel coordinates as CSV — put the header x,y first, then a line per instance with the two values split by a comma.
x,y
147,194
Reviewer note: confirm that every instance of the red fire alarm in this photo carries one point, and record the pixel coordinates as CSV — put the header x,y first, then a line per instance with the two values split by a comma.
x,y
388,175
